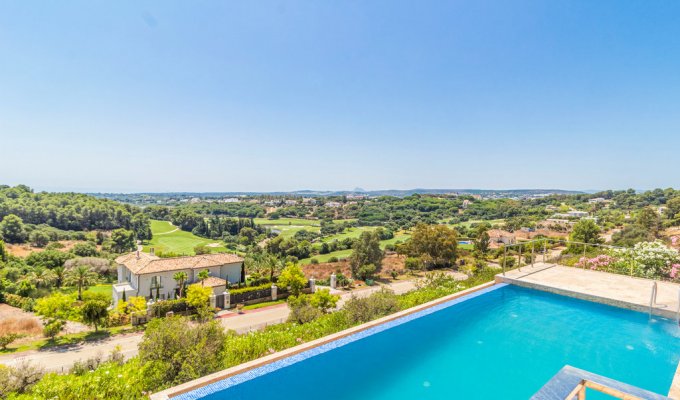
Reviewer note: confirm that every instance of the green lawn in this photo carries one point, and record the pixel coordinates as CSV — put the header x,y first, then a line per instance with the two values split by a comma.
x,y
167,238
161,227
469,223
105,289
288,221
351,233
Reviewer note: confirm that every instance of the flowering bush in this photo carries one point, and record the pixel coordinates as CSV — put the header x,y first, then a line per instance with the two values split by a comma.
x,y
600,263
650,260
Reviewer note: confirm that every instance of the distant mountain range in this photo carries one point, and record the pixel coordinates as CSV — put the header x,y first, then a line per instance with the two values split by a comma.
x,y
372,193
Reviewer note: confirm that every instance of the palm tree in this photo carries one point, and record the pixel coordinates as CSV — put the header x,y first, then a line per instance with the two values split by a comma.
x,y
180,278
80,276
203,275
43,278
59,276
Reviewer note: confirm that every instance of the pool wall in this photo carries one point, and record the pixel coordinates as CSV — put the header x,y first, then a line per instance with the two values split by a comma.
x,y
223,379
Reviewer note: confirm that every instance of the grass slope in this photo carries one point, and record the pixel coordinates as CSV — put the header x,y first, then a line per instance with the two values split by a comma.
x,y
168,238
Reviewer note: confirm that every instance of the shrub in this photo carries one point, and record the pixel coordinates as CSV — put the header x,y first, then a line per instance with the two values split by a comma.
x,y
293,278
378,304
7,339
53,327
365,272
323,300
59,306
162,307
314,261
301,311
25,303
333,259
413,264
87,249
182,350
19,378
250,289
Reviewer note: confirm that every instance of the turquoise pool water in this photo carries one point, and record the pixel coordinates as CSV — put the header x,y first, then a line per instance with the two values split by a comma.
x,y
502,344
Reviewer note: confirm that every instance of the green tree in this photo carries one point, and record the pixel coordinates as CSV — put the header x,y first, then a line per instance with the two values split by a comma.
x,y
122,240
59,276
48,259
43,278
630,235
674,209
53,327
198,297
435,245
95,313
323,300
80,276
292,278
650,220
3,252
39,238
87,249
7,339
141,226
12,229
482,241
367,251
181,278
586,231
203,275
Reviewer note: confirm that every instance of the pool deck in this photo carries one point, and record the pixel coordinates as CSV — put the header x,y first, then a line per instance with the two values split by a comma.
x,y
601,287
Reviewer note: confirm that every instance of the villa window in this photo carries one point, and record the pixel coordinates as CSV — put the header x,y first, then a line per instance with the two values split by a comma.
x,y
156,282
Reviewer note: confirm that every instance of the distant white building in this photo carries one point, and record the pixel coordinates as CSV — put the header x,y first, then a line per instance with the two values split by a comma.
x,y
577,214
333,204
231,200
466,203
291,202
597,200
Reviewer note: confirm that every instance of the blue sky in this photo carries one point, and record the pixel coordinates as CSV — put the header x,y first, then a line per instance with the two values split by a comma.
x,y
265,96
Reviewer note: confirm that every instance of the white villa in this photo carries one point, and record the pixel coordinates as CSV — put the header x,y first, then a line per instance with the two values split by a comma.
x,y
147,275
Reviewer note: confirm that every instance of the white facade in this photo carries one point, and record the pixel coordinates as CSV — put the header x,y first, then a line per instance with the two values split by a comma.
x,y
162,285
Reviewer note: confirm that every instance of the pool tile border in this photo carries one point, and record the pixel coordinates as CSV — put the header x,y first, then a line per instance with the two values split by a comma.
x,y
227,378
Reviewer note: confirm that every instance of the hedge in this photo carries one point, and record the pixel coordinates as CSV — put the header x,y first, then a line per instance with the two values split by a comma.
x,y
14,300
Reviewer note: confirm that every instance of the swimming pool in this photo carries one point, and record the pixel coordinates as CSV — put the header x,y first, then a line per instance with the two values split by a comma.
x,y
502,342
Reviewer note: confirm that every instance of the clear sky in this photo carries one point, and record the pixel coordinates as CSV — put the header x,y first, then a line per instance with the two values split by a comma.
x,y
265,96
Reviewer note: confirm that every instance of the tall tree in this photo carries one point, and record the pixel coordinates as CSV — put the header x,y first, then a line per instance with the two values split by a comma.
x,y
435,245
586,231
3,252
95,312
203,275
122,240
367,251
649,219
80,276
12,229
181,278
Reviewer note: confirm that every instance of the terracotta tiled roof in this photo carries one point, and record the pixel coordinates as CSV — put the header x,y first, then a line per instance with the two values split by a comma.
x,y
146,263
214,281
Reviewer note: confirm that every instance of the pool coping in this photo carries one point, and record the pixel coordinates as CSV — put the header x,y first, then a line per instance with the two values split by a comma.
x,y
674,391
377,325
562,384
